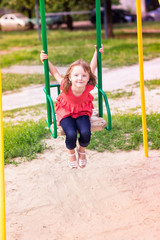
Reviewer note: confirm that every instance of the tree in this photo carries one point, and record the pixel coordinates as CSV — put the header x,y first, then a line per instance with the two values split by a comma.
x,y
25,6
109,18
28,6
67,6
70,5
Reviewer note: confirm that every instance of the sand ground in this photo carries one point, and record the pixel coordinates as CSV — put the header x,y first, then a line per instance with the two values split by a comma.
x,y
115,197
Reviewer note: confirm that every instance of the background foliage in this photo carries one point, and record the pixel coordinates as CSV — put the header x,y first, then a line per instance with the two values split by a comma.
x,y
28,6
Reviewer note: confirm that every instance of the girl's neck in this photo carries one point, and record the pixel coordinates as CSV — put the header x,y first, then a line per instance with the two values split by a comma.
x,y
77,91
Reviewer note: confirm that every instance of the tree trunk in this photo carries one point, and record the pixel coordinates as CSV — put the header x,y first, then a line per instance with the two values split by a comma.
x,y
29,13
69,19
69,22
109,19
37,20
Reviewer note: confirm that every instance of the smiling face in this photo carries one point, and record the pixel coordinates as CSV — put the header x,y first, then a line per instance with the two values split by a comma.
x,y
79,77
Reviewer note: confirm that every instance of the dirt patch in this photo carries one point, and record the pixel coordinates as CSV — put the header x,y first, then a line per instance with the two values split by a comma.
x,y
115,197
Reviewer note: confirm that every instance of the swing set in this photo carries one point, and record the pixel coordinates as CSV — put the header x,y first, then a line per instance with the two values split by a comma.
x,y
97,122
50,107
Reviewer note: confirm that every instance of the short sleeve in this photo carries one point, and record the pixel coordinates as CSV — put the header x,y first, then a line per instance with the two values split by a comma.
x,y
90,88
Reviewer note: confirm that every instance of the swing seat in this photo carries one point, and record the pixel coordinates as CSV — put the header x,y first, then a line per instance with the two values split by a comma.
x,y
97,124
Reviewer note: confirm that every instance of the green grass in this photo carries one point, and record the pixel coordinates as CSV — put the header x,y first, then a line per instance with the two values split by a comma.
x,y
32,110
126,134
29,55
150,84
24,140
119,94
115,94
11,81
65,46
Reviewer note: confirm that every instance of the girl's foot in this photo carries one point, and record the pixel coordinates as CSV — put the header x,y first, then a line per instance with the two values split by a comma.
x,y
82,161
73,161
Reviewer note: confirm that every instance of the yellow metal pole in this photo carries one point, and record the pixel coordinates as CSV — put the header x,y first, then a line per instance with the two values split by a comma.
x,y
159,1
140,52
2,185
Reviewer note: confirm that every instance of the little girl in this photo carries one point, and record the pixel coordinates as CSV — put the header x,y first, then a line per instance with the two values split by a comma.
x,y
74,105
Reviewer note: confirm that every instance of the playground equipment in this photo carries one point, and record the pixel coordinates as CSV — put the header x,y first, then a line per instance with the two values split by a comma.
x,y
50,105
97,122
140,53
2,185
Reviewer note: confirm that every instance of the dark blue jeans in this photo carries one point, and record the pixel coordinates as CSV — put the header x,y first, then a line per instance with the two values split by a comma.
x,y
71,125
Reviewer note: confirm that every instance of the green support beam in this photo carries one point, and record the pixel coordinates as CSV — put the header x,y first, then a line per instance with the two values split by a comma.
x,y
46,67
99,60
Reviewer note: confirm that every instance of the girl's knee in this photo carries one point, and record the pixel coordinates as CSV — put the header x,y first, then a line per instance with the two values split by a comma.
x,y
71,135
86,134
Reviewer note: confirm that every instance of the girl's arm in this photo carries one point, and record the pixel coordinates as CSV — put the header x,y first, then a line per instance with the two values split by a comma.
x,y
52,69
93,63
54,72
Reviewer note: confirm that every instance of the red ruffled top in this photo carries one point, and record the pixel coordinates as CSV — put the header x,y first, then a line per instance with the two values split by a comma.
x,y
74,106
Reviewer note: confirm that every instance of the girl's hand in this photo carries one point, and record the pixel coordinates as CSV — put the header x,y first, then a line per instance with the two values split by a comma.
x,y
43,56
101,50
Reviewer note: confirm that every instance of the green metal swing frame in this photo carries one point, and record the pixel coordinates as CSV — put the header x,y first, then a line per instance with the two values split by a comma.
x,y
51,117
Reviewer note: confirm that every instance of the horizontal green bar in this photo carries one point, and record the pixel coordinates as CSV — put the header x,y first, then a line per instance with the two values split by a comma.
x,y
55,85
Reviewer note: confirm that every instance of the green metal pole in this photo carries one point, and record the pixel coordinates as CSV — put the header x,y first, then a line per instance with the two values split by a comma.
x,y
46,67
99,60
